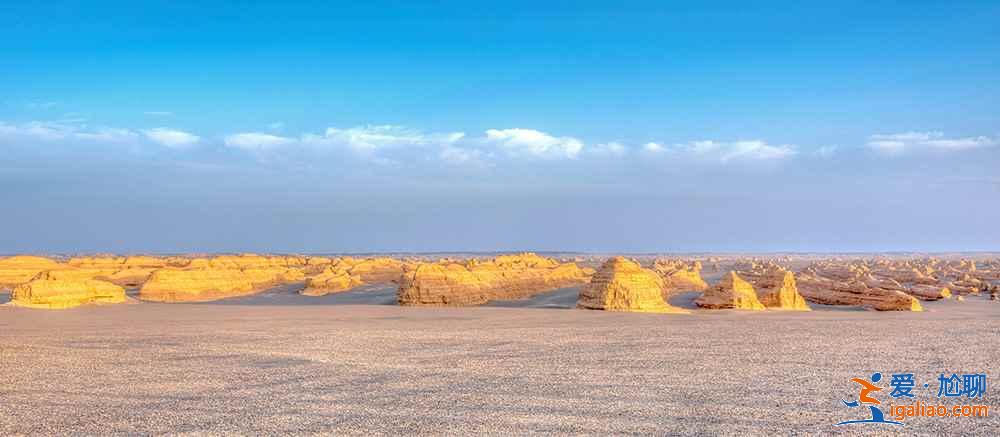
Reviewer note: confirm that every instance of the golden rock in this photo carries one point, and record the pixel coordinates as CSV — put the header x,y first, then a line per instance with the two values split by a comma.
x,y
207,284
331,280
374,270
623,285
680,276
19,269
50,292
731,292
776,288
476,282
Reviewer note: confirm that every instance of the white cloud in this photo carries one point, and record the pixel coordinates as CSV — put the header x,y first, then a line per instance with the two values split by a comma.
x,y
519,142
108,135
908,136
40,130
962,143
696,148
368,139
894,144
888,147
737,150
171,137
278,125
652,147
381,144
158,113
65,130
256,141
758,150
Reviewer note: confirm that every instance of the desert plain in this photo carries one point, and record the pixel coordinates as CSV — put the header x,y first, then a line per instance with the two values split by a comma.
x,y
486,344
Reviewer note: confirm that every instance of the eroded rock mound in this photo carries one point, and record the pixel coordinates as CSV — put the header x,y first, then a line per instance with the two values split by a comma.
x,y
330,280
623,285
247,261
680,276
445,284
342,274
130,271
48,291
477,282
854,291
776,288
732,292
374,270
929,292
206,284
19,269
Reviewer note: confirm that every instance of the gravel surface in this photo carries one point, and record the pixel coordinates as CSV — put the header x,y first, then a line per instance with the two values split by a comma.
x,y
367,369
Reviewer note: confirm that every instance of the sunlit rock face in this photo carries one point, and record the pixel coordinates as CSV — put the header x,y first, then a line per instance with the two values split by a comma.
x,y
207,284
130,271
247,260
330,280
19,269
776,288
477,282
732,292
342,274
374,270
51,292
444,284
623,285
680,276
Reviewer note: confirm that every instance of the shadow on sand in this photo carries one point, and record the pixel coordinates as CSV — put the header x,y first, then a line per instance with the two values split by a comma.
x,y
563,298
376,294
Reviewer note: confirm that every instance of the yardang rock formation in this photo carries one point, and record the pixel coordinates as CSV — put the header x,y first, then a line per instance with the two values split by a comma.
x,y
776,288
330,280
623,285
346,273
18,269
221,277
477,282
680,276
47,291
732,292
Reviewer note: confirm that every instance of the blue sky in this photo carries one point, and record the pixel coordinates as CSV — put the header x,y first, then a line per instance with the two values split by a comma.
x,y
426,126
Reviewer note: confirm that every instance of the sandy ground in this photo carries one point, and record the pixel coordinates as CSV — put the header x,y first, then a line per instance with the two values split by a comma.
x,y
265,366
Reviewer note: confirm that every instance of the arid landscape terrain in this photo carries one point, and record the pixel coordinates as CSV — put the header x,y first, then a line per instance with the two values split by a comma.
x,y
431,218
465,343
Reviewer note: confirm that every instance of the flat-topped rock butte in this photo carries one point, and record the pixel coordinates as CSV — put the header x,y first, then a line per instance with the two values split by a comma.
x,y
49,290
477,282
